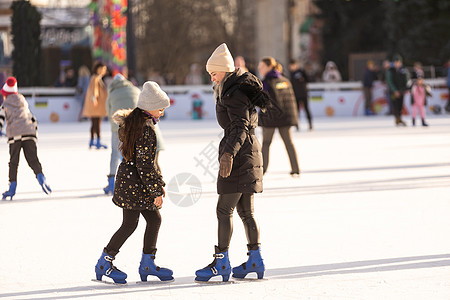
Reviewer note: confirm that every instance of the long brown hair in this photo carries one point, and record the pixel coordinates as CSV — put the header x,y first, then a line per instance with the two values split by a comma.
x,y
97,65
131,130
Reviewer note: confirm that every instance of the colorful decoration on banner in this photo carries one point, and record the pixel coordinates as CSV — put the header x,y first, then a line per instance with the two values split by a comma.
x,y
109,21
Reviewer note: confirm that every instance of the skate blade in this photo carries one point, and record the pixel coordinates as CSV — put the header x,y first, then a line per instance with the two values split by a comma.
x,y
215,282
109,282
249,279
155,282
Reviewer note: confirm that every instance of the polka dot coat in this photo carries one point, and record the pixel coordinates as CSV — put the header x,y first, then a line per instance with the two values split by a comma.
x,y
138,182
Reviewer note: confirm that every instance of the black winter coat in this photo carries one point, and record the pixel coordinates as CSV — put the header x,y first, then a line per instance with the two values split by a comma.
x,y
397,79
299,81
236,114
138,182
283,109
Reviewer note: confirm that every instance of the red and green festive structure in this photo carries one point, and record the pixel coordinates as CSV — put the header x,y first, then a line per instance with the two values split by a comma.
x,y
109,21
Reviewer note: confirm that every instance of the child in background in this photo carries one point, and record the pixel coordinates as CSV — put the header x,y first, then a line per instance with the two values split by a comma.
x,y
21,131
419,93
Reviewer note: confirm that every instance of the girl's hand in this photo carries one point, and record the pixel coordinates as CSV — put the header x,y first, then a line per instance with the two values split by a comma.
x,y
158,202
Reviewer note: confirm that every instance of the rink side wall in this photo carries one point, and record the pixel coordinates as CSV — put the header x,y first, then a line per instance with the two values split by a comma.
x,y
196,102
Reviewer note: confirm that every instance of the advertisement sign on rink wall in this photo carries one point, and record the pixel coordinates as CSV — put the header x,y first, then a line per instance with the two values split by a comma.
x,y
347,98
197,102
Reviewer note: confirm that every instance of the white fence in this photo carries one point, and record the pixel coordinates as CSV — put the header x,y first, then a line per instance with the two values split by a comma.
x,y
192,102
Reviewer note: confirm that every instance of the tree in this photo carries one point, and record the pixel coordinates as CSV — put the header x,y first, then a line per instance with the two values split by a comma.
x,y
171,35
350,26
415,29
26,32
419,30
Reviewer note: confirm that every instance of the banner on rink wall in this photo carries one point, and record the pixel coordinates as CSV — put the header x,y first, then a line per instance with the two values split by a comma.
x,y
197,102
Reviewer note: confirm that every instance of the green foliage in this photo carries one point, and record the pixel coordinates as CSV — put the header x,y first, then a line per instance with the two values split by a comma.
x,y
419,30
416,29
350,27
26,32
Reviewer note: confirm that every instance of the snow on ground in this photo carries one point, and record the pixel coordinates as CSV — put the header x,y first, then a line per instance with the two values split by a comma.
x,y
368,219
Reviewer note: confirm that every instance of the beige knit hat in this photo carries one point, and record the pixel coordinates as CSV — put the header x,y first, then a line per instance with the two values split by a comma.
x,y
221,60
152,97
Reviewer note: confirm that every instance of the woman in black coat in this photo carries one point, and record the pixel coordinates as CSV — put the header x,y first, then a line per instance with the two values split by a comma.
x,y
281,115
237,93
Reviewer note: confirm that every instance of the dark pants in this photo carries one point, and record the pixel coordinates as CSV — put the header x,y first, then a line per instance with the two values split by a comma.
x,y
95,127
367,98
30,152
285,133
447,107
305,103
389,100
129,225
397,105
225,209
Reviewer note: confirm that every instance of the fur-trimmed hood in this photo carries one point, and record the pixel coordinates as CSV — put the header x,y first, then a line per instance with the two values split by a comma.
x,y
247,83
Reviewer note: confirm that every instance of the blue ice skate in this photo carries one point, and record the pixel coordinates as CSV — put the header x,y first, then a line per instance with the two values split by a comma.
x,y
148,267
45,187
220,266
368,112
91,143
105,267
11,192
109,189
100,145
253,264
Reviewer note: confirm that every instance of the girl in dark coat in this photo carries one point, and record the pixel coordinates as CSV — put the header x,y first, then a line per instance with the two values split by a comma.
x,y
282,114
237,93
139,185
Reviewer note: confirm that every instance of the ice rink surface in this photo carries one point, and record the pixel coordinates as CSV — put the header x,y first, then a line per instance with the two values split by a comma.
x,y
369,218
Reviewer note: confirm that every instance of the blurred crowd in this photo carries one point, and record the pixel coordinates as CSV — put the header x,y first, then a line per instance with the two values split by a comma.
x,y
392,73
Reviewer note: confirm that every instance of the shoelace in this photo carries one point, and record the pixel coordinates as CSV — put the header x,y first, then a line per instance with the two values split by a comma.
x,y
212,265
112,268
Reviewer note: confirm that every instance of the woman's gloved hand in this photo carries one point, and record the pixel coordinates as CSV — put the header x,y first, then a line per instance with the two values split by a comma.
x,y
226,163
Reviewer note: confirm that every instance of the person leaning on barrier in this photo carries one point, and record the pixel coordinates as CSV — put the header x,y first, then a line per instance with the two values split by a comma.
x,y
369,77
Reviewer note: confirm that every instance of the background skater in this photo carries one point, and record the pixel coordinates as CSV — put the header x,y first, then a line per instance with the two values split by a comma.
x,y
21,131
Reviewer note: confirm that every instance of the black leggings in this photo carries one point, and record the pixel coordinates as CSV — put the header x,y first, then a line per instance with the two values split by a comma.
x,y
30,152
305,104
225,208
129,225
95,127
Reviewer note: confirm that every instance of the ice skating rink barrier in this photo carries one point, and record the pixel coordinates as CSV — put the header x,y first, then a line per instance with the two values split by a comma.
x,y
50,104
